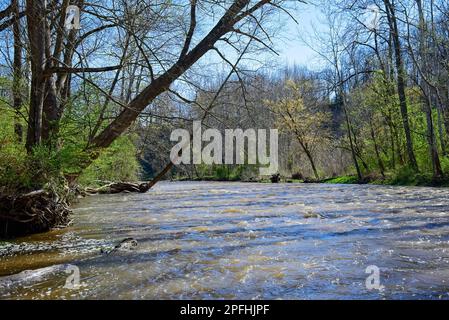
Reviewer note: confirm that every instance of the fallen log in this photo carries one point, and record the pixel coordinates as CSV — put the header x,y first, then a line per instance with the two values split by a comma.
x,y
40,210
118,187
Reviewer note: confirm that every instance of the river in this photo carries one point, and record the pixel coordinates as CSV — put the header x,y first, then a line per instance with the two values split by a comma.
x,y
242,241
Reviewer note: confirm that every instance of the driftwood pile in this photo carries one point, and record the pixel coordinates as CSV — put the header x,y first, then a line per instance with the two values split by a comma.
x,y
33,212
119,187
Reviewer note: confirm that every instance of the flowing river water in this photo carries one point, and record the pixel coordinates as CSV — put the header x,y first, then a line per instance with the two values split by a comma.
x,y
241,241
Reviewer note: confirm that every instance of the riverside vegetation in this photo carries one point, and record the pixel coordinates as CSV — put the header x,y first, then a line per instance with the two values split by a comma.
x,y
376,110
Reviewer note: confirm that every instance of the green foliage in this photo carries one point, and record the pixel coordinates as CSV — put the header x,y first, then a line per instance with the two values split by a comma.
x,y
445,164
117,163
227,172
13,167
377,126
15,171
406,176
342,180
21,171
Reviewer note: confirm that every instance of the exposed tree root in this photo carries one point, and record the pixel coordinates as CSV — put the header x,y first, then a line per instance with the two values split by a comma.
x,y
40,211
33,212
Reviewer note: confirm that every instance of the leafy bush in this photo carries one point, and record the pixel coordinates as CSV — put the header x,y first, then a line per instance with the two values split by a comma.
x,y
22,172
117,163
343,180
407,176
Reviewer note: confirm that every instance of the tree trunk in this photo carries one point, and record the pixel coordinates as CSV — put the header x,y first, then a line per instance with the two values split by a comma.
x,y
433,148
161,84
310,158
376,149
17,70
392,21
441,130
351,143
36,12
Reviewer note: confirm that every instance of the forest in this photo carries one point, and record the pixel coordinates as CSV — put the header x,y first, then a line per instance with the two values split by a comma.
x,y
91,110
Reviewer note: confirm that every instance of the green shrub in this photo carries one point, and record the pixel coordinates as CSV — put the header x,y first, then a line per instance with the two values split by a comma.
x,y
22,172
406,176
342,180
117,163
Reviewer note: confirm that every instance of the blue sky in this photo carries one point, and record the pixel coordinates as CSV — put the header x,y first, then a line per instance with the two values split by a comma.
x,y
291,49
287,42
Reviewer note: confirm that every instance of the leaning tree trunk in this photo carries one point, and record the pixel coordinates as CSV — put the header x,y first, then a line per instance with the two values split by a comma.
x,y
310,158
163,82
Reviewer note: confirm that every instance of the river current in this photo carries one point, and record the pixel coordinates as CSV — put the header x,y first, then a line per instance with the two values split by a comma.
x,y
206,240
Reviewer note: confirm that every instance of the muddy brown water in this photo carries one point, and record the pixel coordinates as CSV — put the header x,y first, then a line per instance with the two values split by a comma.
x,y
241,241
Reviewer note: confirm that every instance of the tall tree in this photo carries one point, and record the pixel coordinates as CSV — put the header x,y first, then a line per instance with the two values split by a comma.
x,y
427,91
17,69
36,23
51,77
401,80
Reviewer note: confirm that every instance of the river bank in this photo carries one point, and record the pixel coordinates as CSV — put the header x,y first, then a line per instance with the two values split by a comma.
x,y
410,180
49,208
